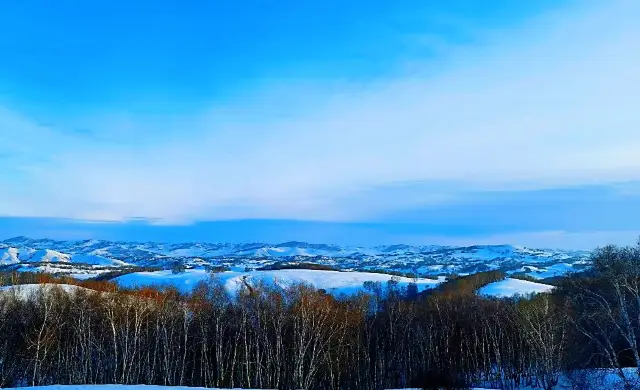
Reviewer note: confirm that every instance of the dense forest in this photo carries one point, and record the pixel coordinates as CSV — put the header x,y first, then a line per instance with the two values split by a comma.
x,y
301,338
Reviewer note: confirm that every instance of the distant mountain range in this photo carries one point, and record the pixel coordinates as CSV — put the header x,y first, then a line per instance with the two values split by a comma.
x,y
94,256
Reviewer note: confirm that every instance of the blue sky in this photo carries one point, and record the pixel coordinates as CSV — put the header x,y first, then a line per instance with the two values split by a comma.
x,y
351,122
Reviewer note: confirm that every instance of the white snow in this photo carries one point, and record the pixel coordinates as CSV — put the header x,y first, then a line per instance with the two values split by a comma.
x,y
118,387
289,251
96,260
184,281
66,269
334,282
43,256
560,269
87,274
11,255
26,290
8,256
593,379
590,379
513,287
428,260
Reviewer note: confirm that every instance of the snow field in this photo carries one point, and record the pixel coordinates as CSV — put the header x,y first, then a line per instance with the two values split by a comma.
x,y
509,288
334,282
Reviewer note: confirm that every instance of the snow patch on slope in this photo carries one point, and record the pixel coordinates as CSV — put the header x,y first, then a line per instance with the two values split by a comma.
x,y
184,281
555,270
43,256
334,282
509,287
117,387
9,256
96,260
25,291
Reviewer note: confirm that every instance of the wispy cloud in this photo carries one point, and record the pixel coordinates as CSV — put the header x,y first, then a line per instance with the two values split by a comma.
x,y
552,103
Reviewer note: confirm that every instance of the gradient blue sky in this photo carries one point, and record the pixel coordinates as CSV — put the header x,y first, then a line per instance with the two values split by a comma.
x,y
351,122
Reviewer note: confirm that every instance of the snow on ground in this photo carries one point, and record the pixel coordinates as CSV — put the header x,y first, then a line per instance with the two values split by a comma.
x,y
513,287
27,290
334,282
184,281
16,255
43,256
8,256
595,379
560,269
117,387
591,379
69,270
134,387
289,251
96,260
84,274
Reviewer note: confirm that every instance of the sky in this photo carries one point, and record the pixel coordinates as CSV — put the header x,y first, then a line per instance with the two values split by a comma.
x,y
360,122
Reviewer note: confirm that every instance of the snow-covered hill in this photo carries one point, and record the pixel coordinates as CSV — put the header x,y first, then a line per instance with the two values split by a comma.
x,y
31,255
12,255
334,282
513,287
428,260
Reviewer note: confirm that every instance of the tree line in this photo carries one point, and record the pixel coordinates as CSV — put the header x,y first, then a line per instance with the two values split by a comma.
x,y
302,338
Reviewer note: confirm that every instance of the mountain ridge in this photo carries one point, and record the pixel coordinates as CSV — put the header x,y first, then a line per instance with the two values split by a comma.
x,y
24,253
28,241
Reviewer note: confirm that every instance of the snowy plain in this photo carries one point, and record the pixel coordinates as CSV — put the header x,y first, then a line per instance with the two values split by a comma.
x,y
334,282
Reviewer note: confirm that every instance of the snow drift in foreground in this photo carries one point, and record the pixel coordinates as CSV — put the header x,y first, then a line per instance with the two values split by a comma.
x,y
509,287
133,387
334,282
591,379
119,387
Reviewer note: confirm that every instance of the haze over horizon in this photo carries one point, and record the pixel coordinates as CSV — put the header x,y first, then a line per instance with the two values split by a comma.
x,y
444,122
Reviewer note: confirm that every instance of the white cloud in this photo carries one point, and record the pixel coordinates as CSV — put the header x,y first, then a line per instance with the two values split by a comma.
x,y
552,103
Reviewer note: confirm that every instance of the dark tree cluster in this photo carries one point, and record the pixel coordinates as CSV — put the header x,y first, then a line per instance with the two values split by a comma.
x,y
302,338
